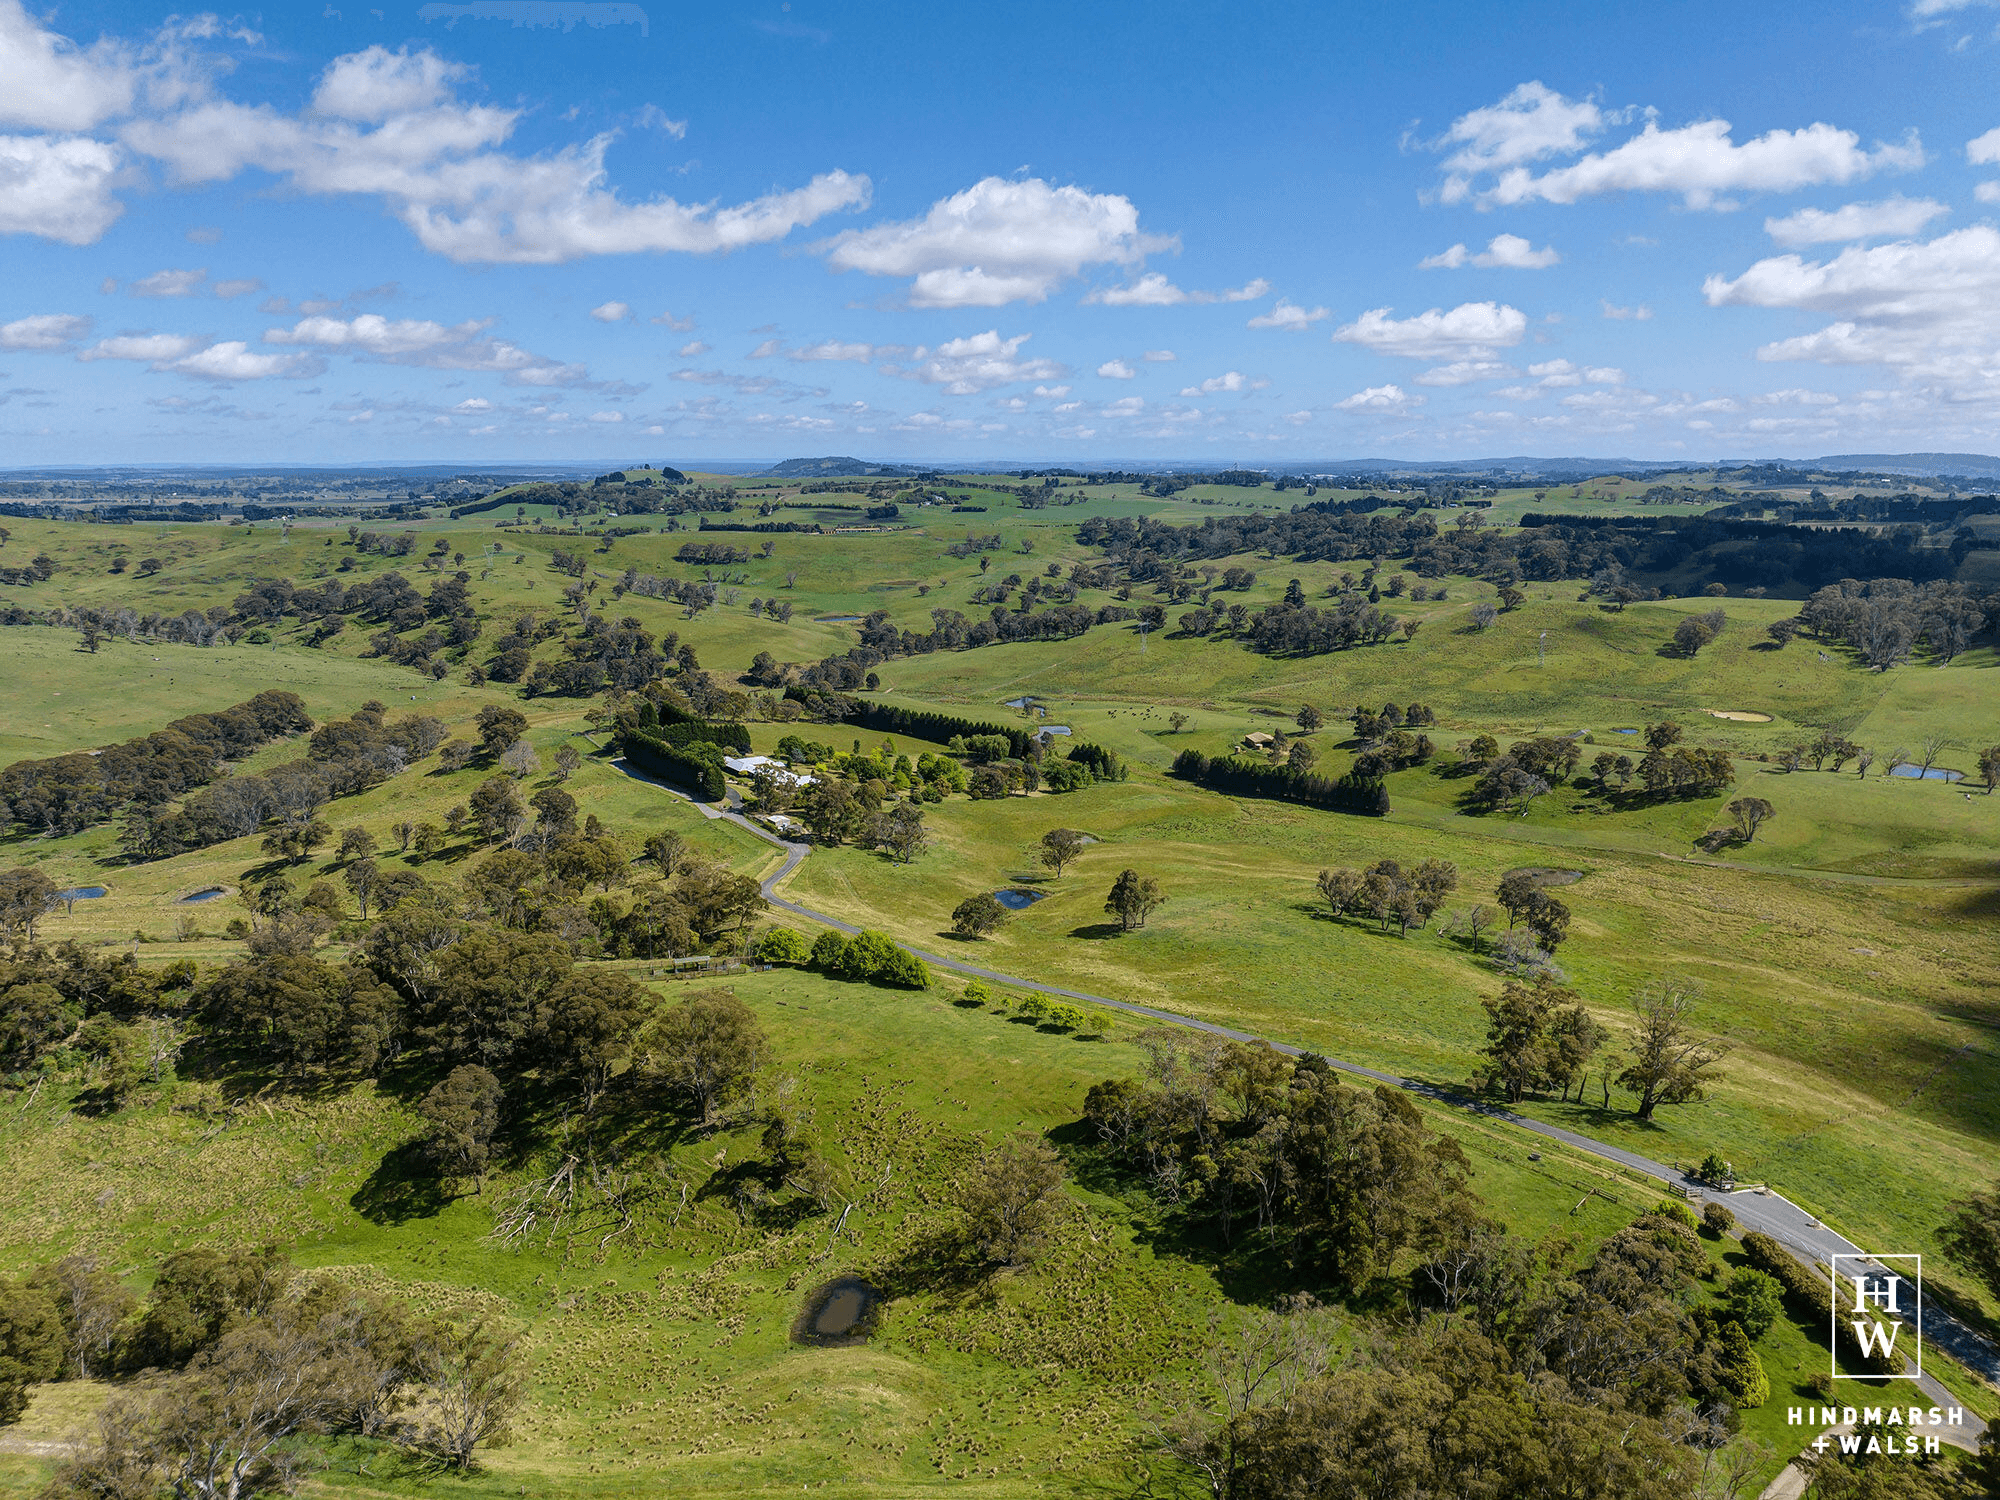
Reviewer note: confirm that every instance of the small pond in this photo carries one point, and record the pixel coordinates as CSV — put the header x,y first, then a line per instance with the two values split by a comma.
x,y
840,1313
81,893
1546,876
1624,731
214,892
1018,900
1935,773
1053,729
1024,702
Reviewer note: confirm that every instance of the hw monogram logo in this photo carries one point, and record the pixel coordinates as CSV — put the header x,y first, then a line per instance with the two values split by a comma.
x,y
1878,1308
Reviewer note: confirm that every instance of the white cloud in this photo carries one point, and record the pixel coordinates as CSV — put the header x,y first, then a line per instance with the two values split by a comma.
x,y
44,331
1984,150
652,117
52,84
1052,392
1151,290
430,345
238,286
1987,192
431,156
1616,313
769,349
59,189
1116,369
677,325
376,84
1466,371
607,416
234,360
1503,252
1702,164
1796,396
1892,218
1467,331
1531,122
1155,290
1928,309
693,349
1159,356
1232,380
967,366
611,312
998,242
150,348
1125,406
168,284
1379,398
473,404
833,349
1289,316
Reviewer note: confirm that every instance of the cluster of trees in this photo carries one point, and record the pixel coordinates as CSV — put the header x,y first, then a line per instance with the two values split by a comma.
x,y
1635,1357
1528,1375
248,1358
1239,776
868,957
67,793
1695,631
1541,1037
1886,619
342,758
1389,893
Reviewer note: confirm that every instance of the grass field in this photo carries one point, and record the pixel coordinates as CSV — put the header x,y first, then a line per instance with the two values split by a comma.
x,y
1846,959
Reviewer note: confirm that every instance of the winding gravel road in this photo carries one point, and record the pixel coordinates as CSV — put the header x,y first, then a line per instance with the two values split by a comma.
x,y
1755,1208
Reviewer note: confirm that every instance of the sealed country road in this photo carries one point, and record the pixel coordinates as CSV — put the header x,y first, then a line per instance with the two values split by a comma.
x,y
1755,1209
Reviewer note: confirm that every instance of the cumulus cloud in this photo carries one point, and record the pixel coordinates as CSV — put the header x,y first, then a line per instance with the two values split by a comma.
x,y
53,84
237,286
1503,251
607,416
168,284
834,349
998,241
149,348
1288,316
692,349
611,312
1699,161
1231,380
44,331
1116,369
678,325
1987,192
1612,310
1379,398
1984,150
59,189
390,125
1159,356
1928,309
1530,123
1155,290
1895,217
235,360
427,344
982,362
1466,371
1467,331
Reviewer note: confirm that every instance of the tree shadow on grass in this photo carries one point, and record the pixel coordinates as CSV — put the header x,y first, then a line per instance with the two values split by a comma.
x,y
402,1187
1098,930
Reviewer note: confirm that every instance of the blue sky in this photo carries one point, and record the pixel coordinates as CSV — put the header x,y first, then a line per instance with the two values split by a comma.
x,y
615,233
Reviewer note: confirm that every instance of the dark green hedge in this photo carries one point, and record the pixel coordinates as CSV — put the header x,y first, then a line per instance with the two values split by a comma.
x,y
1255,778
685,767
